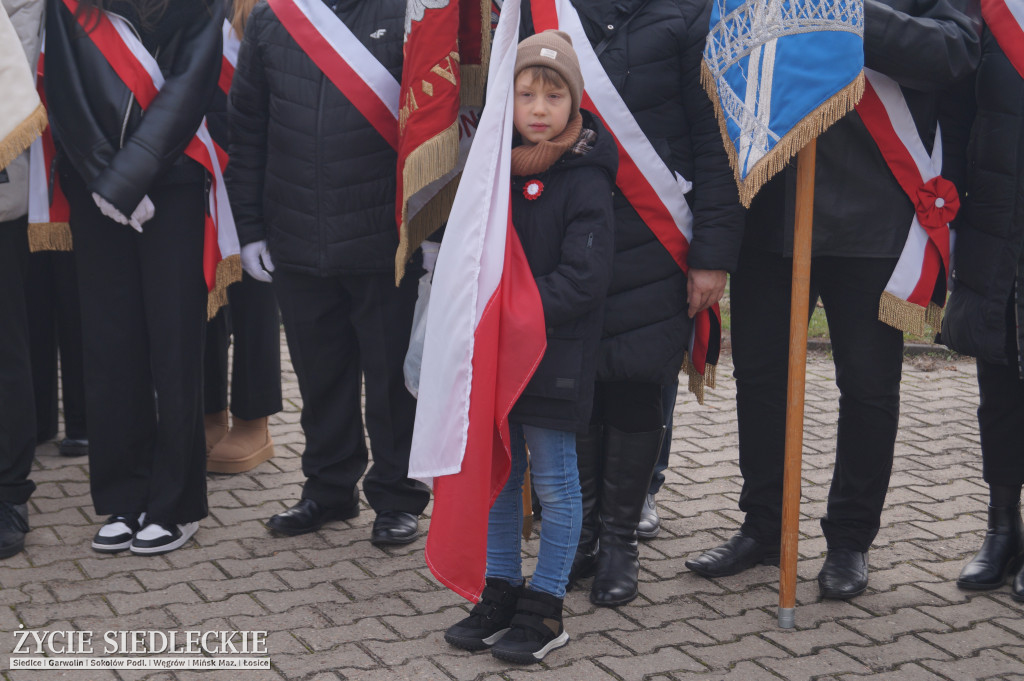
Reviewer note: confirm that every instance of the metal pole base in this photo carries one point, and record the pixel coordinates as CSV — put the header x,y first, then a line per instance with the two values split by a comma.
x,y
787,618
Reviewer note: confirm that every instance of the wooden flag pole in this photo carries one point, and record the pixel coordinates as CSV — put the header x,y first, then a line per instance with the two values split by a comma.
x,y
799,302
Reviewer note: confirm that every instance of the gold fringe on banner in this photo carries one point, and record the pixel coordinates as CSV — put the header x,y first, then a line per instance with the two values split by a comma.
x,y
906,316
21,138
812,125
49,236
697,381
425,164
471,89
229,270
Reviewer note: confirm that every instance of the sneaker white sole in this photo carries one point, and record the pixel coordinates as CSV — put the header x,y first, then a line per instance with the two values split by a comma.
x,y
111,548
187,532
523,657
495,637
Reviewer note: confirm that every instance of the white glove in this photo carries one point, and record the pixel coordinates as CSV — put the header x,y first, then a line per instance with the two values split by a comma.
x,y
143,212
108,209
430,249
256,261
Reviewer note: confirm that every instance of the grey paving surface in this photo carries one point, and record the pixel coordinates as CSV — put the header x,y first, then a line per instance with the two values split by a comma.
x,y
338,608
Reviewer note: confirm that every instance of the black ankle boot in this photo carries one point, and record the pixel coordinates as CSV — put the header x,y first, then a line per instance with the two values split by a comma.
x,y
1000,554
589,461
489,619
628,467
535,630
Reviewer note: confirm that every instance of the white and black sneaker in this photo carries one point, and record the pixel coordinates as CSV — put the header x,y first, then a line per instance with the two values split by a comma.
x,y
535,630
117,533
154,538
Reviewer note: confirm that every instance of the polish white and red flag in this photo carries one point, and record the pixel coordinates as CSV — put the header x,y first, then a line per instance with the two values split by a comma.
x,y
1005,18
485,337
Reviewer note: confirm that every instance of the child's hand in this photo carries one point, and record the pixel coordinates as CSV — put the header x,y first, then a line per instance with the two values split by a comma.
x,y
704,288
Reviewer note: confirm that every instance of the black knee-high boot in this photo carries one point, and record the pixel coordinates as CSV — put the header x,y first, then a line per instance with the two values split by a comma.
x,y
589,460
628,467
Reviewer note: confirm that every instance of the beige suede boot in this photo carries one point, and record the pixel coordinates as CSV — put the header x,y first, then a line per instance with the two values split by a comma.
x,y
216,428
246,445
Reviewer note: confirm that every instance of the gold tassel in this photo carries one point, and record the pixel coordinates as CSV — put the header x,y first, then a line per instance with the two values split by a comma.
x,y
902,315
21,138
425,164
229,270
49,236
697,382
471,90
812,125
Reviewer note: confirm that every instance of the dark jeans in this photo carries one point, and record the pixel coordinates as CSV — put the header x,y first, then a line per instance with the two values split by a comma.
x,y
55,323
338,328
251,321
143,320
1001,414
17,411
669,393
868,359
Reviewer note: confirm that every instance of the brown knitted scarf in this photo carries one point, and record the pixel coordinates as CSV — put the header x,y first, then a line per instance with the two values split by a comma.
x,y
541,156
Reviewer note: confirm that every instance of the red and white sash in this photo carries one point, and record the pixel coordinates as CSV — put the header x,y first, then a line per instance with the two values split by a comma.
x,y
137,68
651,187
344,60
229,61
48,210
915,294
1005,18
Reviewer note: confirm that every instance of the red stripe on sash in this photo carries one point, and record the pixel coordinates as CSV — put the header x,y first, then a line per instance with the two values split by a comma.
x,y
1007,30
337,69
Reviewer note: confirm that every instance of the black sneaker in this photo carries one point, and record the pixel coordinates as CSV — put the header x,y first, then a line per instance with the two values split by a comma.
x,y
117,533
536,629
156,538
488,620
13,527
73,447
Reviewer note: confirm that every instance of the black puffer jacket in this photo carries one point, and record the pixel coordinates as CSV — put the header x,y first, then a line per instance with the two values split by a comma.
x,y
98,125
307,171
568,236
988,258
859,208
654,63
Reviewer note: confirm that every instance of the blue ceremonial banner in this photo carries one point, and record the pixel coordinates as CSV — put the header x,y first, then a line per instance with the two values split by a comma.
x,y
780,72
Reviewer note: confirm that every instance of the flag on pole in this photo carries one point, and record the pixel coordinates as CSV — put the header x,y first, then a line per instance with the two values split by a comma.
x,y
447,46
780,72
485,337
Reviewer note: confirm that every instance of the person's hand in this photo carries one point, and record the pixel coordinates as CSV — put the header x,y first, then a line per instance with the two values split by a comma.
x,y
256,261
142,213
704,288
108,209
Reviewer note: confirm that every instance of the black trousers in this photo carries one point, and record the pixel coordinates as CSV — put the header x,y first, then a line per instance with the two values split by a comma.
x,y
868,356
17,411
143,320
629,406
338,328
252,322
55,324
1001,413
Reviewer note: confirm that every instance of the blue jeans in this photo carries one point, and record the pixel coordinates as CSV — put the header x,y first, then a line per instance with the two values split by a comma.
x,y
556,480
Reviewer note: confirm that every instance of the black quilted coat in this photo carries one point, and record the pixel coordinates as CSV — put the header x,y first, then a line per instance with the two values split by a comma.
x,y
307,171
654,62
989,253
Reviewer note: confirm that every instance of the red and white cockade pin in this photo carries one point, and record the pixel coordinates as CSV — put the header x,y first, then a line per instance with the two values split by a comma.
x,y
533,189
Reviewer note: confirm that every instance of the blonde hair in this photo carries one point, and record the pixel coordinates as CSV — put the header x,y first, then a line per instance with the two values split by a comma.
x,y
545,75
240,14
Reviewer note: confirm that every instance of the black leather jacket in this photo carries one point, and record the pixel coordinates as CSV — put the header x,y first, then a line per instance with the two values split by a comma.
x,y
100,128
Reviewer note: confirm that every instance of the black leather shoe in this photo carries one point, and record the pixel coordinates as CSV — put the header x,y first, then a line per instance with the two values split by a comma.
x,y
1017,590
13,527
733,557
308,516
73,447
1001,553
650,524
844,574
394,527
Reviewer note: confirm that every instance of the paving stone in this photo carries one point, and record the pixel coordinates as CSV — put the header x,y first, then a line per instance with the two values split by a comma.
x,y
637,667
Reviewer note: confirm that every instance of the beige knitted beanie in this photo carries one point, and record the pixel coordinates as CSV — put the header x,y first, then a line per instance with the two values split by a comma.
x,y
553,49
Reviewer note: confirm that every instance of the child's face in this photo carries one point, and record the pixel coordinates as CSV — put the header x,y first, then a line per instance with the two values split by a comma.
x,y
541,110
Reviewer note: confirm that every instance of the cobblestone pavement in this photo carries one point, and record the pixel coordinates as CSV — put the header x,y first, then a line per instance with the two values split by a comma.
x,y
338,608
